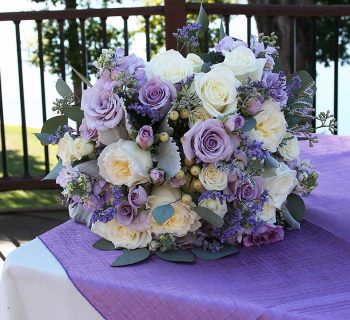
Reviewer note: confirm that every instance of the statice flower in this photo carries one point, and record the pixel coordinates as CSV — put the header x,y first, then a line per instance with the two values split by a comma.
x,y
187,36
255,150
307,178
59,133
118,195
103,216
295,84
145,110
212,195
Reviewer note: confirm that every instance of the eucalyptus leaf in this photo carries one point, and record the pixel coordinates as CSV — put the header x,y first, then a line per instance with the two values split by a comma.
x,y
176,256
209,216
74,113
203,20
63,89
131,257
222,30
227,250
51,125
249,124
293,224
296,206
53,174
103,244
43,138
163,213
83,78
271,162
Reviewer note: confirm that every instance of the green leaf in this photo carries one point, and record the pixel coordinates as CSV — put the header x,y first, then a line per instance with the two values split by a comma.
x,y
203,20
278,65
43,138
103,244
51,125
222,30
271,162
131,257
83,78
74,113
227,250
163,213
249,124
209,216
176,256
211,57
63,89
53,174
296,206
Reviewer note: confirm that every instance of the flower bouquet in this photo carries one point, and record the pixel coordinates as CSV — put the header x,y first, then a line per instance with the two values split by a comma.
x,y
185,156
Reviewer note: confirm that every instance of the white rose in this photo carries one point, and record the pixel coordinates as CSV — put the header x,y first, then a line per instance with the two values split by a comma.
x,y
198,114
123,162
212,178
217,90
243,63
279,183
65,149
215,206
82,147
271,126
170,65
289,149
268,213
196,62
161,195
121,236
183,220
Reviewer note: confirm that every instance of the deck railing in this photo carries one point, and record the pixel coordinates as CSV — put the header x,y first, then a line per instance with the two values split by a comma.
x,y
175,13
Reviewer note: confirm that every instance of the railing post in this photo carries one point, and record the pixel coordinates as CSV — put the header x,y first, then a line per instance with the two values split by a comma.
x,y
175,17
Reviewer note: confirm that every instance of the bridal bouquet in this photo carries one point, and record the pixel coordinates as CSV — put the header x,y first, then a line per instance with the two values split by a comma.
x,y
185,155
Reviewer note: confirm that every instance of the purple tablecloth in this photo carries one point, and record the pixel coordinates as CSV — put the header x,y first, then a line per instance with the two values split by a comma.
x,y
306,276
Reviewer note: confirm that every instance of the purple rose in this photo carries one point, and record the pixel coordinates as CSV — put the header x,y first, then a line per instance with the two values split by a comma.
x,y
276,85
245,190
157,176
228,44
253,106
145,137
137,196
234,122
241,158
141,222
157,94
102,108
269,233
87,132
177,183
209,141
125,213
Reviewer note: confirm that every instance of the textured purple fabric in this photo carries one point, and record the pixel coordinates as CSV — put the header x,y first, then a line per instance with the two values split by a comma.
x,y
306,276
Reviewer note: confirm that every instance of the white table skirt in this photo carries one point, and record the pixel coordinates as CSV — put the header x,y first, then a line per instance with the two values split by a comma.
x,y
34,286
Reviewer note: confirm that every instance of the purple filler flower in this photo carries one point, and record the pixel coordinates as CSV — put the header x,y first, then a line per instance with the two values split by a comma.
x,y
245,190
125,213
102,108
276,85
234,122
145,137
209,141
157,176
137,196
228,44
269,233
157,94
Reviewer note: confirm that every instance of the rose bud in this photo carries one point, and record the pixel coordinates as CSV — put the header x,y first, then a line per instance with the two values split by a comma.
x,y
145,137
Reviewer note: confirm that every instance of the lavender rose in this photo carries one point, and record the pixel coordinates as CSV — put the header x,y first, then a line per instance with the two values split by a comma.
x,y
102,108
269,233
234,122
125,213
145,137
87,132
157,176
245,190
137,196
253,106
157,94
209,141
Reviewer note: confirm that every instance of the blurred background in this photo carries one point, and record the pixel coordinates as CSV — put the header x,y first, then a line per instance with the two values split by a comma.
x,y
38,47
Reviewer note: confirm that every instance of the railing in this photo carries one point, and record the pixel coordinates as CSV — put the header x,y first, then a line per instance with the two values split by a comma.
x,y
175,13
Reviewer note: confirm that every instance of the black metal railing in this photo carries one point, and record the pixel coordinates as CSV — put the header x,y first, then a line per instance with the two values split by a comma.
x,y
174,13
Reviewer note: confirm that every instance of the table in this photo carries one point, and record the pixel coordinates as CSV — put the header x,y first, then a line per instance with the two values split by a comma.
x,y
286,280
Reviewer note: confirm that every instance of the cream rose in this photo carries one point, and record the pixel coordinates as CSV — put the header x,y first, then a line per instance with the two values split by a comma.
x,y
268,213
65,149
217,90
214,205
289,149
123,162
198,114
161,195
196,62
169,65
243,63
183,220
122,236
82,147
271,126
212,178
279,183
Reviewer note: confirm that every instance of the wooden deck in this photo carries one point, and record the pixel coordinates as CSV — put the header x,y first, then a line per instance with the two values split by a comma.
x,y
18,227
